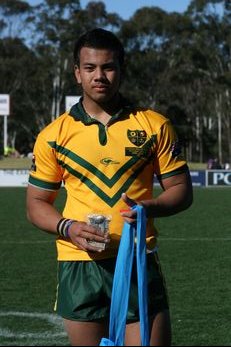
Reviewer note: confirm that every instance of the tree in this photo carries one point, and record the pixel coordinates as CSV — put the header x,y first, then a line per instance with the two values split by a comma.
x,y
215,43
178,64
13,16
182,62
18,68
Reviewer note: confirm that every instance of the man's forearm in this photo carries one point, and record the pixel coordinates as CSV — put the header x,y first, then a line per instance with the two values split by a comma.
x,y
169,202
44,216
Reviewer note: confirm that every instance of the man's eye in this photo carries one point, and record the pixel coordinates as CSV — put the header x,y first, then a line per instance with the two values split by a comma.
x,y
110,68
89,68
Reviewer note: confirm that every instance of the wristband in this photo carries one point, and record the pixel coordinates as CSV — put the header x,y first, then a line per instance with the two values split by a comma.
x,y
63,227
67,227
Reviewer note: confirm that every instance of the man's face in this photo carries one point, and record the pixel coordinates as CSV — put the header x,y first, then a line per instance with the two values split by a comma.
x,y
99,74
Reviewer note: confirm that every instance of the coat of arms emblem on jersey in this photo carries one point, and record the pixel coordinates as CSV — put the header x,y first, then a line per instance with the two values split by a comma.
x,y
137,137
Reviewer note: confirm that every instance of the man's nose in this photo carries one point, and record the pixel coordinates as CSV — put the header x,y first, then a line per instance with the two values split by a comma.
x,y
99,73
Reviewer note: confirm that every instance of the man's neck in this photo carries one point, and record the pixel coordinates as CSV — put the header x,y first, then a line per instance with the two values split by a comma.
x,y
102,112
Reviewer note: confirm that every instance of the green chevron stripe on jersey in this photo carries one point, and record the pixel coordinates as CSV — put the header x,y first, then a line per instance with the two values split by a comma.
x,y
111,201
98,173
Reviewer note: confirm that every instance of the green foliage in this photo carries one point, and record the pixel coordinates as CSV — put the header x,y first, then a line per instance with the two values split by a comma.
x,y
15,7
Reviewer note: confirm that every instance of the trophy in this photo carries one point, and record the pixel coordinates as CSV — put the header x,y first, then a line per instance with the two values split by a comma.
x,y
101,222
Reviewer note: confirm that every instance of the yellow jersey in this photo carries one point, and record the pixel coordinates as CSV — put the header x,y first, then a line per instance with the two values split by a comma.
x,y
97,163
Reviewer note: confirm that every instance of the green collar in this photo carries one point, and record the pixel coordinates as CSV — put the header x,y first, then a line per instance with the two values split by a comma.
x,y
78,113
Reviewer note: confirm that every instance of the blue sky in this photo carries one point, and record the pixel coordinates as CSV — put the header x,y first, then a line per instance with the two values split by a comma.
x,y
126,8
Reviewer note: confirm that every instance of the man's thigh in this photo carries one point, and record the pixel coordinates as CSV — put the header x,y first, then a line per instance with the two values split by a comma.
x,y
160,331
85,333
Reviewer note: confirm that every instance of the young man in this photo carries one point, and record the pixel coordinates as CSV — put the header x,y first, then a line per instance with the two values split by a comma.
x,y
106,152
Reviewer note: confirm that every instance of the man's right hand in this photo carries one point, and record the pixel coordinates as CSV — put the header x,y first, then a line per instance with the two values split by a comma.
x,y
81,233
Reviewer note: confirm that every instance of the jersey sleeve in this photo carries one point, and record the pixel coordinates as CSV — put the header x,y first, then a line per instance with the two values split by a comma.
x,y
169,159
45,172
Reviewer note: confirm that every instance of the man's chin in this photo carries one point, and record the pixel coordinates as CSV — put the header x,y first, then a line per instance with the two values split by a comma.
x,y
102,98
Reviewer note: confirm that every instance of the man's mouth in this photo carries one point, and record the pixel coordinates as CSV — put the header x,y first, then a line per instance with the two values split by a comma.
x,y
100,87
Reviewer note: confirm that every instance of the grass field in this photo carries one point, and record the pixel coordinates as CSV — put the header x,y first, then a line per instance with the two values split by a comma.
x,y
15,163
196,259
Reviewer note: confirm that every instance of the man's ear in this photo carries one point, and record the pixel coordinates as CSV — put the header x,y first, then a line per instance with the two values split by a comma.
x,y
77,74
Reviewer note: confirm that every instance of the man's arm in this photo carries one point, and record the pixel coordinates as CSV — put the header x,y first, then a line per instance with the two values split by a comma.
x,y
40,209
177,196
42,213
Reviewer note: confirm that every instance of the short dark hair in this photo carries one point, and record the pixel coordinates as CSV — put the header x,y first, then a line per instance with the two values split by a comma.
x,y
100,39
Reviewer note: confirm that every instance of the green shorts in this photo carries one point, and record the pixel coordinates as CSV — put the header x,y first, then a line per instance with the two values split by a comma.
x,y
84,289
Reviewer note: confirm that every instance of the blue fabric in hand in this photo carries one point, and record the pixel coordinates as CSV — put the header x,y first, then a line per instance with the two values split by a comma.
x,y
122,279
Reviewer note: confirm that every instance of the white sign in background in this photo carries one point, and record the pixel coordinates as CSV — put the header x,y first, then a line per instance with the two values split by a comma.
x,y
14,178
70,101
4,104
5,111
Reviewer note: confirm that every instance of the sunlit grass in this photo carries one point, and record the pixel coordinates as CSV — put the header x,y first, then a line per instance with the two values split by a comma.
x,y
15,163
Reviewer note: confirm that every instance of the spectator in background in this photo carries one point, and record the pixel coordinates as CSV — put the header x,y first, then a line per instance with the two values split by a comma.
x,y
216,164
210,164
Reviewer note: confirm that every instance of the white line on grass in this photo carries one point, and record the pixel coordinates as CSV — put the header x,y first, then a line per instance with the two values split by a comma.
x,y
50,317
44,335
53,319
